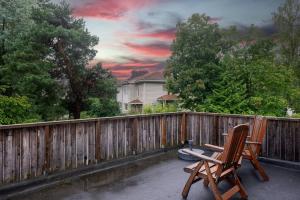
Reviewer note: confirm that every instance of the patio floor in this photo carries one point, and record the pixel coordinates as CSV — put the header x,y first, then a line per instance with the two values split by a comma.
x,y
161,177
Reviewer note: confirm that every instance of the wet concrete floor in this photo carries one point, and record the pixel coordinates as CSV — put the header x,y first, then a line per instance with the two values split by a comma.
x,y
162,177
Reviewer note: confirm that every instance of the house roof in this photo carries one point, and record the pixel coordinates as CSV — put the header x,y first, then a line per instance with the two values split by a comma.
x,y
136,101
157,76
168,97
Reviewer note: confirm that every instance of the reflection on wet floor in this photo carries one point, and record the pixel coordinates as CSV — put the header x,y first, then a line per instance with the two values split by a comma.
x,y
94,183
161,177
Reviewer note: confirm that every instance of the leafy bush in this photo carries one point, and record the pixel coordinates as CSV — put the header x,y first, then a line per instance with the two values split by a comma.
x,y
15,110
102,108
160,108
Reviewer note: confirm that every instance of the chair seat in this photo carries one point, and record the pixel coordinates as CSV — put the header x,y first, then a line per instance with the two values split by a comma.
x,y
190,168
216,155
246,154
202,172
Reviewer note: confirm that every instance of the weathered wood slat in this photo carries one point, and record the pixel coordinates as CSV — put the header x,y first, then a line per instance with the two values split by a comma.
x,y
27,151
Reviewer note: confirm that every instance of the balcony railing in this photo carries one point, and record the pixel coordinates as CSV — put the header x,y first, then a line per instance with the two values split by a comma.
x,y
28,151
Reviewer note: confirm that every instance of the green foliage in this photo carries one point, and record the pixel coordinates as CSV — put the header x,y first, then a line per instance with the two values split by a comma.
x,y
287,20
194,64
44,53
15,110
160,108
296,115
228,71
229,96
103,107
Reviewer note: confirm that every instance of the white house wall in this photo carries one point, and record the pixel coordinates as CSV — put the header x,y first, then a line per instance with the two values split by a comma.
x,y
151,91
145,92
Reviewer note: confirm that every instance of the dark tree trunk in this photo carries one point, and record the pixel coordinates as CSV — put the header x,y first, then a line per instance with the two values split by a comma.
x,y
77,109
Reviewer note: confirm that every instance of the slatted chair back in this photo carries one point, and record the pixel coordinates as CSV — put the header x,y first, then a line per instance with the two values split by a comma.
x,y
234,145
258,133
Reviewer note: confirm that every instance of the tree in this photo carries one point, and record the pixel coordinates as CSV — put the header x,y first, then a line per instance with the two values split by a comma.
x,y
15,110
70,47
14,21
269,84
194,63
229,96
103,107
287,20
22,71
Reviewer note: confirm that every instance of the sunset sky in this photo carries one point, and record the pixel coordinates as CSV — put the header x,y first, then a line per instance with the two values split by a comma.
x,y
136,34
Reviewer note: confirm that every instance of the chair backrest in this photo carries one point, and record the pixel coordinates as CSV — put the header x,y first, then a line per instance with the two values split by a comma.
x,y
234,145
258,132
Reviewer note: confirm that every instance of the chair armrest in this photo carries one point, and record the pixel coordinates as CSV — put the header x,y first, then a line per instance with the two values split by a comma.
x,y
203,157
252,142
214,147
225,134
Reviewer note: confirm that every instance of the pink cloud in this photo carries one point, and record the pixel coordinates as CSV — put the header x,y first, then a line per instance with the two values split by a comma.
x,y
168,34
109,9
122,70
161,50
131,65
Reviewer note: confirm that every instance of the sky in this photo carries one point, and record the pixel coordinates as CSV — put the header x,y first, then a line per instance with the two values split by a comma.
x,y
137,34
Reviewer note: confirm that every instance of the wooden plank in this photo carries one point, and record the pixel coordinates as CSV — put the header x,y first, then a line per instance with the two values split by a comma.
x,y
62,148
103,140
47,151
134,136
92,144
25,154
40,150
73,146
33,152
97,141
54,148
128,147
79,145
215,130
68,148
18,158
183,128
163,132
8,157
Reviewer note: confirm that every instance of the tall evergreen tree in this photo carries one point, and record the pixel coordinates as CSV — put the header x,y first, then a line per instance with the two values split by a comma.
x,y
229,96
194,63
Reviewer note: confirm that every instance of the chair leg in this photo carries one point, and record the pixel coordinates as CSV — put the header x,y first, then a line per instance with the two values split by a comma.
x,y
205,182
190,181
260,169
212,183
242,191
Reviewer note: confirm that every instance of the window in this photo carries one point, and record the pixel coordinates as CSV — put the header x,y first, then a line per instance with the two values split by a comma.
x,y
126,106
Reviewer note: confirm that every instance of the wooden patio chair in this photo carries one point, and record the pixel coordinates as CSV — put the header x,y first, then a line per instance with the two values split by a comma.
x,y
220,166
253,145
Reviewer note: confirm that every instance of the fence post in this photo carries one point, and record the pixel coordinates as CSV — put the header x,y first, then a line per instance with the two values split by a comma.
x,y
97,142
163,131
215,138
47,150
135,136
183,128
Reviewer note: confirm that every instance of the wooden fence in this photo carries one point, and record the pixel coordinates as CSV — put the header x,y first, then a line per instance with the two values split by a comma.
x,y
34,150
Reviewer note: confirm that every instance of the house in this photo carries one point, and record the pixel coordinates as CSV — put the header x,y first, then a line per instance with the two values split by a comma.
x,y
142,89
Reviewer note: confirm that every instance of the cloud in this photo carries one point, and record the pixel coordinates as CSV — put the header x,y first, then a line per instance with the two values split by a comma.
x,y
108,9
122,70
156,49
164,34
